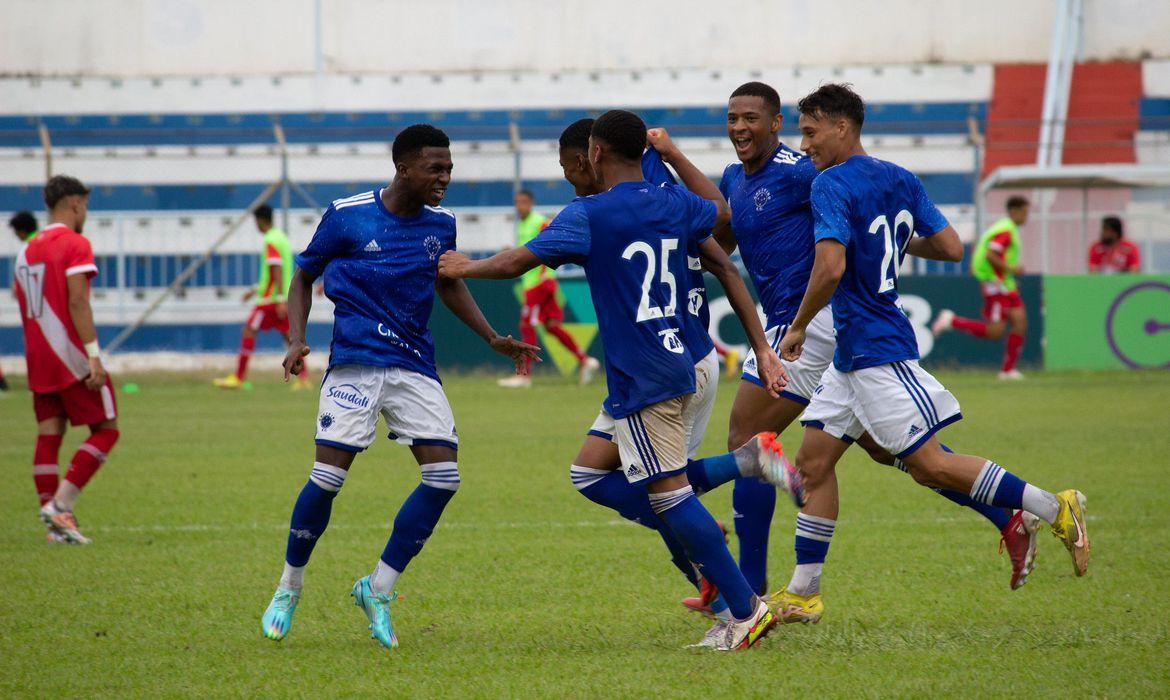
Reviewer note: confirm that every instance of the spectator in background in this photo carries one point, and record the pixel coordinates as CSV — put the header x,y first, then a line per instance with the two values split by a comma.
x,y
24,225
1113,252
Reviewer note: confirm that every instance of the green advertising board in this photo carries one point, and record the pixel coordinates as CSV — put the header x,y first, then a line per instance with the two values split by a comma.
x,y
922,297
1107,321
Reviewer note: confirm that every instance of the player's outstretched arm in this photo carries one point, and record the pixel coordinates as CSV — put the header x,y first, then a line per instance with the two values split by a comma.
x,y
716,261
457,297
82,315
508,264
944,245
828,267
693,178
300,300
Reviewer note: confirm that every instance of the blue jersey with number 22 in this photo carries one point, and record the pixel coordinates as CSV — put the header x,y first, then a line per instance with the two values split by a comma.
x,y
632,242
872,207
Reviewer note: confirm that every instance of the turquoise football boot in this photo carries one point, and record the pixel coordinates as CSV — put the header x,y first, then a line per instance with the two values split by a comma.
x,y
377,610
277,618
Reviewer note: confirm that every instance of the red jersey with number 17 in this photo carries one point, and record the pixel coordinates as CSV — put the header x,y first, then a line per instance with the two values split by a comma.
x,y
54,352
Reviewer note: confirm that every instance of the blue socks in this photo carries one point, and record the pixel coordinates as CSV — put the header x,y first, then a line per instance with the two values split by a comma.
x,y
998,487
704,543
707,473
813,535
419,514
310,515
754,503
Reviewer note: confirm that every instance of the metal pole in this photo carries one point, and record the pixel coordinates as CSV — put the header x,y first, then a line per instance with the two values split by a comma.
x,y
284,188
976,140
47,144
514,139
190,270
1051,79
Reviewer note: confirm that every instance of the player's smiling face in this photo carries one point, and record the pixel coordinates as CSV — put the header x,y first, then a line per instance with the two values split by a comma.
x,y
823,139
578,173
752,128
427,174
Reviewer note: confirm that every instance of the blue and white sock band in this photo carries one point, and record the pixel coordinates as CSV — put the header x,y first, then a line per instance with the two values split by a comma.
x,y
814,528
441,475
584,477
327,476
987,482
662,502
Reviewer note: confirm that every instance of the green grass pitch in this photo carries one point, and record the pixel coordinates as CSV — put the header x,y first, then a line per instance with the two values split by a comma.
x,y
528,590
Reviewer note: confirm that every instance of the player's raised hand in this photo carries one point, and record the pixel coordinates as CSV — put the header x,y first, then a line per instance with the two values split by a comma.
x,y
772,374
453,265
521,353
97,376
294,359
792,344
660,140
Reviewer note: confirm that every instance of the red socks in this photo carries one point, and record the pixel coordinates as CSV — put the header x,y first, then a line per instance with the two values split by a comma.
x,y
566,340
247,345
90,455
45,466
1011,352
970,326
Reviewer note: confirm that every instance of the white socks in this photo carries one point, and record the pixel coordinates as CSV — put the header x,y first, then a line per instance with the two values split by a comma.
x,y
293,577
1040,503
806,579
66,496
384,578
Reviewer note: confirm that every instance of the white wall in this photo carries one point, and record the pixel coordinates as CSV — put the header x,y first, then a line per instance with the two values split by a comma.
x,y
256,37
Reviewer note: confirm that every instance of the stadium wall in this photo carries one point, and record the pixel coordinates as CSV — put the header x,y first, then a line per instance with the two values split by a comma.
x,y
191,37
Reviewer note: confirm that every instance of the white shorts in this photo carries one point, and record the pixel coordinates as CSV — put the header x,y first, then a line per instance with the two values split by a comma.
x,y
698,411
899,404
805,374
414,406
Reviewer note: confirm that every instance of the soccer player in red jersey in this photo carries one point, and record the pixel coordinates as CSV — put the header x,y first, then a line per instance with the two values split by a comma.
x,y
65,372
24,226
1113,252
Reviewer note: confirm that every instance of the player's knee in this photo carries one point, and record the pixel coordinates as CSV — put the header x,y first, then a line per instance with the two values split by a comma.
x,y
737,436
584,477
814,468
441,475
924,472
995,330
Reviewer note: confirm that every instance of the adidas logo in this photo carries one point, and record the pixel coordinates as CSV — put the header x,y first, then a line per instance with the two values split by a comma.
x,y
914,430
634,470
372,247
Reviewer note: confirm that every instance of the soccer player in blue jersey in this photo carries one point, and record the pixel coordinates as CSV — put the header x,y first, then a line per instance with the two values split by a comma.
x,y
378,252
632,240
868,214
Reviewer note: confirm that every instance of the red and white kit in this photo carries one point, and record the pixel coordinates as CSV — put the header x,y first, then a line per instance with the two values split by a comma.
x,y
57,361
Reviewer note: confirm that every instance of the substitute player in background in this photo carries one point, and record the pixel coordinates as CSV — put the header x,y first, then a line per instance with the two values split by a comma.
x,y
378,252
539,287
65,370
24,227
867,213
1113,252
995,263
271,310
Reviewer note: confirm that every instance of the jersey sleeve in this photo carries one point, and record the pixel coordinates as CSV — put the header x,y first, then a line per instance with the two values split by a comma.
x,y
566,239
928,220
1133,259
329,241
700,215
1095,256
655,170
79,257
830,208
1000,242
272,255
725,180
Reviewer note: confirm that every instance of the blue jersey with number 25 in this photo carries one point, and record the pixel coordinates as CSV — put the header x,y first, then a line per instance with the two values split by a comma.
x,y
872,207
632,241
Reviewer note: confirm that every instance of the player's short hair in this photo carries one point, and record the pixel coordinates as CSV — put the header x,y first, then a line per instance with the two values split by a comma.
x,y
527,193
61,186
576,135
416,137
263,212
834,100
1016,201
23,222
625,132
1114,224
765,92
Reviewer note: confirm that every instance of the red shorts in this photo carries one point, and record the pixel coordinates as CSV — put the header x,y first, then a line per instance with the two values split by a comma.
x,y
265,318
540,304
995,306
80,405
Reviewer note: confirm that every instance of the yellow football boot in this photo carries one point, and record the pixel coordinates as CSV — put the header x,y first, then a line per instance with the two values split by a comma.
x,y
1070,528
229,382
797,608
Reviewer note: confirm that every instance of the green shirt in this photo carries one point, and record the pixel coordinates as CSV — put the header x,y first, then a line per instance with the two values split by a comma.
x,y
1004,236
277,251
526,230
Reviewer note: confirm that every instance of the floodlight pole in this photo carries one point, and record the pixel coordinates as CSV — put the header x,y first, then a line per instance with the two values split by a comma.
x,y
284,188
47,144
514,141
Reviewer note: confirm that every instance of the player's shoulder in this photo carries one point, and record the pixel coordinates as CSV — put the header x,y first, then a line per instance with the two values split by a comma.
x,y
442,214
363,199
789,157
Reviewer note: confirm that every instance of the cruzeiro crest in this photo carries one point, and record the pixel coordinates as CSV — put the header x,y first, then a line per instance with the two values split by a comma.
x,y
761,197
434,246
